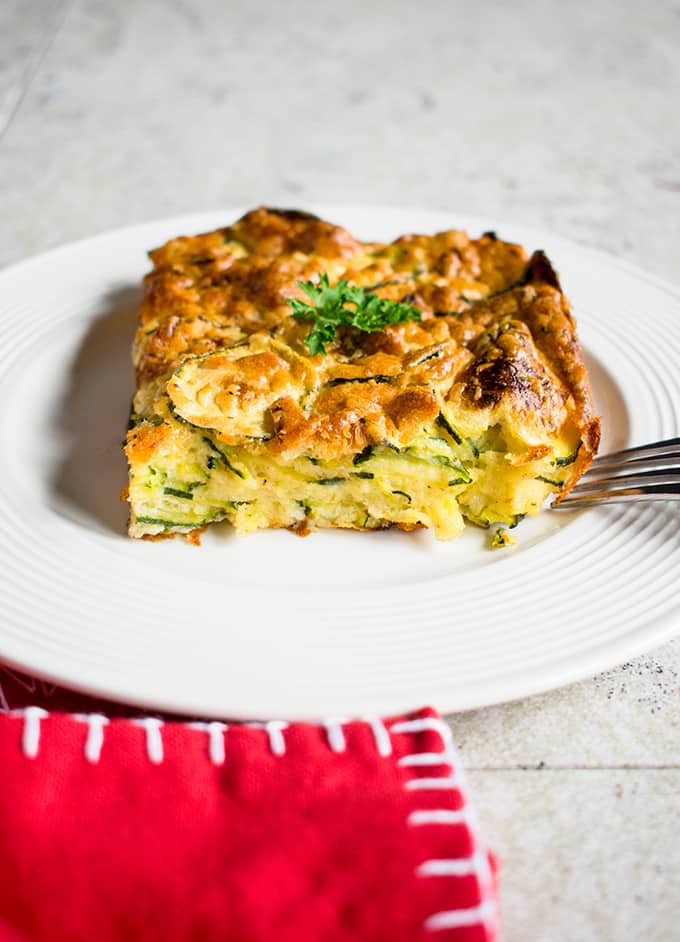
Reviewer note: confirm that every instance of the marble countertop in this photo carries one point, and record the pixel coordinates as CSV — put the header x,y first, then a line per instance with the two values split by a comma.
x,y
545,113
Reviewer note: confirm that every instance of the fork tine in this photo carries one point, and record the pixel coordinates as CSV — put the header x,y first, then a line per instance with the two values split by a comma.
x,y
649,492
670,446
626,481
648,472
608,465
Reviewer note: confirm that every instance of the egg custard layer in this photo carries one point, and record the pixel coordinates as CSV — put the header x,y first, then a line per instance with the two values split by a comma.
x,y
476,412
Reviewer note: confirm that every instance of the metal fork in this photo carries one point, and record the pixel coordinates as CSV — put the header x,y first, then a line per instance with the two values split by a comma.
x,y
648,472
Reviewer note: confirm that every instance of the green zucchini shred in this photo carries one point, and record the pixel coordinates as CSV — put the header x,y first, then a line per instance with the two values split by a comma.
x,y
338,381
222,458
403,494
500,539
448,463
363,456
327,480
553,483
188,493
436,438
173,524
568,459
444,423
175,414
166,524
443,460
175,492
426,357
473,445
155,471
368,475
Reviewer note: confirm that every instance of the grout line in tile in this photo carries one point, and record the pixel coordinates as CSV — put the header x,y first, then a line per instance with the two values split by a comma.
x,y
542,767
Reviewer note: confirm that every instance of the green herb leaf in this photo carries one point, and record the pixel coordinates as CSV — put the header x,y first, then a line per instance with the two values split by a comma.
x,y
346,304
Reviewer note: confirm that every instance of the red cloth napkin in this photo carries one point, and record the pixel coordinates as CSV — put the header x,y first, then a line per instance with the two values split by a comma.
x,y
136,828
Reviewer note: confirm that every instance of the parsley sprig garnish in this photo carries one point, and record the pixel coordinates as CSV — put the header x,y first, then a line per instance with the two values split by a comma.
x,y
345,304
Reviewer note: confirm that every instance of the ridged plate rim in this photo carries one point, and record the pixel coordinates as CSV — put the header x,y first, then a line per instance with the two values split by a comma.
x,y
28,645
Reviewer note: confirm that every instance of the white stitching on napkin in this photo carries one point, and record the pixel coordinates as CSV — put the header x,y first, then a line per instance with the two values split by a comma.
x,y
335,735
428,758
216,745
95,734
426,724
423,784
383,743
457,867
215,731
477,864
154,740
439,816
30,739
484,914
274,730
277,742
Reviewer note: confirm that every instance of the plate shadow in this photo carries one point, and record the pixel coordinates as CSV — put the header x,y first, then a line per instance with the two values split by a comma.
x,y
92,415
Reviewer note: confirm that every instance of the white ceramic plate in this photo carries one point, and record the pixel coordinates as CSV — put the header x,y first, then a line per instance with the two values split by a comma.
x,y
271,625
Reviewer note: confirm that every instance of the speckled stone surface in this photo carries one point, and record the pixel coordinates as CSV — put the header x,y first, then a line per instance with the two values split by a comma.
x,y
586,854
26,31
558,115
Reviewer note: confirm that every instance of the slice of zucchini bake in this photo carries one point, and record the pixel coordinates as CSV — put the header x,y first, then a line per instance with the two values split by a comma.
x,y
290,375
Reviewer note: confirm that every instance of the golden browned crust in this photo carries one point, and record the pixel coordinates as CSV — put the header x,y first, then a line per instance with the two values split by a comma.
x,y
206,290
496,338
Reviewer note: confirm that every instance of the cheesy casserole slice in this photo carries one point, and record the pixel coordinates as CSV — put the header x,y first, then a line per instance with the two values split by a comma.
x,y
475,413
